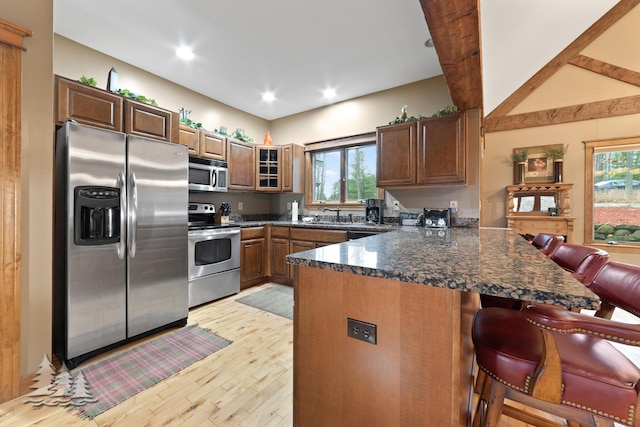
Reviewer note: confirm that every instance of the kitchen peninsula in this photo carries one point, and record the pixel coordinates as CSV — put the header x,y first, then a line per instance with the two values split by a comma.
x,y
419,289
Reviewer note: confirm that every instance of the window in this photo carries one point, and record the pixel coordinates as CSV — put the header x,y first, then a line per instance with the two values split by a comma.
x,y
612,194
342,172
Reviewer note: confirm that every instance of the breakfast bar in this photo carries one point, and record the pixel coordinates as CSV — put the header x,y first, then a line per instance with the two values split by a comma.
x,y
416,291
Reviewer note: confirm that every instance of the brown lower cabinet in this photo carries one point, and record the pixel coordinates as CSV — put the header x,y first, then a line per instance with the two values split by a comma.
x,y
253,256
263,251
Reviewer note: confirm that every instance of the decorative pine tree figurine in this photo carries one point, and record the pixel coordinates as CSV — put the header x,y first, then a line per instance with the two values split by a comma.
x,y
42,382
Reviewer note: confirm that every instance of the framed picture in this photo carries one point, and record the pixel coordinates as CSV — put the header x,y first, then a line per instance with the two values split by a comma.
x,y
538,167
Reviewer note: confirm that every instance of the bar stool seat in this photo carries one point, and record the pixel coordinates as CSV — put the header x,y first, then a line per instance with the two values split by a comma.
x,y
559,361
547,243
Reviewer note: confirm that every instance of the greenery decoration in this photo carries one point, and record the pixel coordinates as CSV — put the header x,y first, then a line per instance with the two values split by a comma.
x,y
556,152
192,124
128,94
408,119
444,111
221,132
520,156
241,136
90,81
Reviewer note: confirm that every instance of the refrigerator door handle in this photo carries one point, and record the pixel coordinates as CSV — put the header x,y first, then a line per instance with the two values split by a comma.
x,y
133,211
122,185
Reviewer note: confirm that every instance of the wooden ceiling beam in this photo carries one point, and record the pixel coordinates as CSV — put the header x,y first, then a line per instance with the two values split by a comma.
x,y
605,69
589,111
454,26
593,32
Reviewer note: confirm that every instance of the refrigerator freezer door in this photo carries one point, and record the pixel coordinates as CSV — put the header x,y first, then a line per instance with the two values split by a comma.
x,y
158,265
95,296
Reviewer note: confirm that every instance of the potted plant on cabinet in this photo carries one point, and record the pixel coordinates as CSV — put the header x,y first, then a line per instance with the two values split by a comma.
x,y
519,158
556,153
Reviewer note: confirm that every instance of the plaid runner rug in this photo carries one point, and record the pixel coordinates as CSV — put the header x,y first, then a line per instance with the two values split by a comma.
x,y
118,378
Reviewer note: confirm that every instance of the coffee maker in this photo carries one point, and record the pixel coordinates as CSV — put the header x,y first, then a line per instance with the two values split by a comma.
x,y
374,211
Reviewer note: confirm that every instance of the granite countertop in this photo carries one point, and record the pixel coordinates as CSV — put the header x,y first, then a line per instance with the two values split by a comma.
x,y
355,226
484,260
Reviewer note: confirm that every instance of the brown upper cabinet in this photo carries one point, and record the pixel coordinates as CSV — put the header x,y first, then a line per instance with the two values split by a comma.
x,y
147,121
242,160
202,143
88,105
426,152
97,107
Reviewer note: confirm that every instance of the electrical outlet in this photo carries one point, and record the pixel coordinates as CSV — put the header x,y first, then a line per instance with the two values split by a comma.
x,y
367,332
396,206
288,206
453,204
240,206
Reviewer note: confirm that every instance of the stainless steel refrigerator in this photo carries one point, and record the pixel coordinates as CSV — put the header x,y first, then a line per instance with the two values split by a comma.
x,y
120,236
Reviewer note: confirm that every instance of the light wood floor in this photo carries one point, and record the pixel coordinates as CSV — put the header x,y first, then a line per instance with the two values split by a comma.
x,y
248,383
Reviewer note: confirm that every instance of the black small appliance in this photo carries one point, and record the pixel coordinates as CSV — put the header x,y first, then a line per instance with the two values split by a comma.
x,y
436,218
374,211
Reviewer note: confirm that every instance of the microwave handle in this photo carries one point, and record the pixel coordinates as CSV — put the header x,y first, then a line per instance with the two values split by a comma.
x,y
214,178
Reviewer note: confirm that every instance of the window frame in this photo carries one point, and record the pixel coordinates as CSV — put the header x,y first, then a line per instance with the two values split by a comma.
x,y
591,148
342,145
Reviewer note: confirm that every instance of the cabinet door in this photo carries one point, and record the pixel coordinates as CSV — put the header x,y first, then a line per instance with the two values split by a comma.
x,y
396,152
213,146
145,120
242,161
88,105
252,262
189,137
268,168
279,251
292,168
442,150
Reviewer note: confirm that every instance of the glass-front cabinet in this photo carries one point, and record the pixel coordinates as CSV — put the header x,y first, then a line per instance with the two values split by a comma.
x,y
268,173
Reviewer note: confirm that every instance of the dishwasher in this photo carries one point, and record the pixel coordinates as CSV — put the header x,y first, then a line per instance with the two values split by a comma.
x,y
354,235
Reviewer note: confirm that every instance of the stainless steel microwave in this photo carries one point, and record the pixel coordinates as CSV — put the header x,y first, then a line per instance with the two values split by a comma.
x,y
207,175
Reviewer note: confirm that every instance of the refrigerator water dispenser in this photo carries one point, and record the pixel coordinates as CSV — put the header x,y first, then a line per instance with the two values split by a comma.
x,y
97,215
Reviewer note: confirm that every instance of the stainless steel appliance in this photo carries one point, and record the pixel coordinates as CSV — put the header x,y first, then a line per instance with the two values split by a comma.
x,y
207,175
120,239
374,211
436,218
214,256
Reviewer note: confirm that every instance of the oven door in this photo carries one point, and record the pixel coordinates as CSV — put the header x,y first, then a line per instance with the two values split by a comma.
x,y
213,251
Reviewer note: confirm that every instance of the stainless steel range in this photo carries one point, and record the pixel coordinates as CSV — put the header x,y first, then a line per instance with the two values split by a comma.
x,y
214,256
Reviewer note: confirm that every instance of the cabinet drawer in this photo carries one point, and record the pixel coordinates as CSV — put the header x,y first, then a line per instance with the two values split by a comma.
x,y
282,232
251,233
330,236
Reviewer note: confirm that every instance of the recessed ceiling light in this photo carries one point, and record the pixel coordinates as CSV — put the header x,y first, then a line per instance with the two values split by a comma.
x,y
329,93
185,53
268,97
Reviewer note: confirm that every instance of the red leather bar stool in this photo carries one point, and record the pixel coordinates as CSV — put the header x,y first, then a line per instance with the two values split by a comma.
x,y
547,243
582,261
562,362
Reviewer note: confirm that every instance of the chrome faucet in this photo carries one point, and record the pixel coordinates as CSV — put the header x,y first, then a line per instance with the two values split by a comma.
x,y
336,210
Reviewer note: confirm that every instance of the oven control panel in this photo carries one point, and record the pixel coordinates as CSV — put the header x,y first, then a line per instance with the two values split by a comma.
x,y
202,208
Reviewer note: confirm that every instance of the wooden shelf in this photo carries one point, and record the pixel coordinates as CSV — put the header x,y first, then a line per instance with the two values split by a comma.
x,y
532,223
